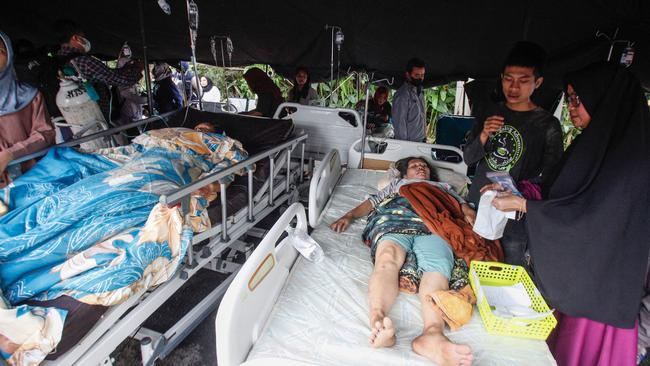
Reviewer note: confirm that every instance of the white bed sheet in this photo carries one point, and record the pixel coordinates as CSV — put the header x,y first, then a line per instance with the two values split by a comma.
x,y
321,316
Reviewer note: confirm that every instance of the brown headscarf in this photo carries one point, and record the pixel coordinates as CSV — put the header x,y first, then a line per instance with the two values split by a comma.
x,y
261,83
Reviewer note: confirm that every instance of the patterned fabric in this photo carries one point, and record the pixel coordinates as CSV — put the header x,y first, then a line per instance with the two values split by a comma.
x,y
443,216
93,69
89,226
393,188
28,333
395,215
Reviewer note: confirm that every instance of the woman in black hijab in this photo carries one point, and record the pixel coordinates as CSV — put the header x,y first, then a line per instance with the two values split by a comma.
x,y
589,237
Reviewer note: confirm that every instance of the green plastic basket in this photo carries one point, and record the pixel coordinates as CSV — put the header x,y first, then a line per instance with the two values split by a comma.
x,y
500,274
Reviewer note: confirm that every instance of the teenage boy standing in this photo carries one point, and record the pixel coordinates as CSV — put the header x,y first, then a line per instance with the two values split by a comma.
x,y
517,137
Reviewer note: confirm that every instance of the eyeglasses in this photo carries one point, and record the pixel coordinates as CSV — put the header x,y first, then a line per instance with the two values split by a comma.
x,y
573,100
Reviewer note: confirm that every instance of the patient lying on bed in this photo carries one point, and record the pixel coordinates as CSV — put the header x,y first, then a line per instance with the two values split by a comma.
x,y
403,235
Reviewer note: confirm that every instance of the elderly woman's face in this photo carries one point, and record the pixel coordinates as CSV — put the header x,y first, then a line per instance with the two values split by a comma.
x,y
579,115
3,55
418,169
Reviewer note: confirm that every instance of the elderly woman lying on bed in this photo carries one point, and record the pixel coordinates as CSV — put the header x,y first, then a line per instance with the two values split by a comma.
x,y
415,217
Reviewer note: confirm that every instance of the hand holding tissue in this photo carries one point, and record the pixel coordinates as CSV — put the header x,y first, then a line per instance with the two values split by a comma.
x,y
490,222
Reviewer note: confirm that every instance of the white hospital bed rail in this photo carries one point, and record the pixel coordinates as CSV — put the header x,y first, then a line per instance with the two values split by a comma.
x,y
379,153
249,300
326,127
322,184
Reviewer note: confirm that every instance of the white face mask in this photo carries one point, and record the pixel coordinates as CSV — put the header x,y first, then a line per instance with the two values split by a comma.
x,y
85,43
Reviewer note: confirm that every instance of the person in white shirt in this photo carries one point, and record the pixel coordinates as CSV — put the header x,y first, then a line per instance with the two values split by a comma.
x,y
210,92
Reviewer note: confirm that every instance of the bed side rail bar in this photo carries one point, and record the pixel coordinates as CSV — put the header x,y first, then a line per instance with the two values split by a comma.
x,y
322,184
175,197
442,156
249,300
105,133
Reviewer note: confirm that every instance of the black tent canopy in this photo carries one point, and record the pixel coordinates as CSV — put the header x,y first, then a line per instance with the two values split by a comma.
x,y
456,38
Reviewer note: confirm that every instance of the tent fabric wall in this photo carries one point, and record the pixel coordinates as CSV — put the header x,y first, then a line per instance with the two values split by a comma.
x,y
379,35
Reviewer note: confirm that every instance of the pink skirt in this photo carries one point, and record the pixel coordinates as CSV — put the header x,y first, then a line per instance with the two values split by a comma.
x,y
584,342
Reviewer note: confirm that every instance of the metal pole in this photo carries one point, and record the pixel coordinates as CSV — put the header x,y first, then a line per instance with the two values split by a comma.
x,y
365,122
147,77
288,168
224,213
611,47
302,162
331,63
271,179
193,28
250,195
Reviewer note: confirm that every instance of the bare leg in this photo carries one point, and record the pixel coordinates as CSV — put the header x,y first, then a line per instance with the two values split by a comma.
x,y
383,289
433,344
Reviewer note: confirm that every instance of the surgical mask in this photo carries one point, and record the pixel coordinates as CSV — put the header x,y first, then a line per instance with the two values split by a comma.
x,y
85,43
416,82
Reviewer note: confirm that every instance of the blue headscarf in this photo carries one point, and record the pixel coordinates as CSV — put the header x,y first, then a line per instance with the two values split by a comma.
x,y
14,95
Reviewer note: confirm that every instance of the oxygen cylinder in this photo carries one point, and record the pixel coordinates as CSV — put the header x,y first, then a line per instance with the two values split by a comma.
x,y
81,113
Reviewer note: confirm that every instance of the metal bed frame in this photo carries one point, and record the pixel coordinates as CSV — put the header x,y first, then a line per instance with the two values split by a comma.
x,y
124,320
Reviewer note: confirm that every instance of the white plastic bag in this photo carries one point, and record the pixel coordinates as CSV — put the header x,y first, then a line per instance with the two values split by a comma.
x,y
305,245
490,222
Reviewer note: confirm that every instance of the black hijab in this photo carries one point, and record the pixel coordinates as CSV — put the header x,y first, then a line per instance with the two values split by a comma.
x,y
589,239
208,87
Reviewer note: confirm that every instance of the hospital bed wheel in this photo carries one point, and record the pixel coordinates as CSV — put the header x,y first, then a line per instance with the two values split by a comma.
x,y
206,252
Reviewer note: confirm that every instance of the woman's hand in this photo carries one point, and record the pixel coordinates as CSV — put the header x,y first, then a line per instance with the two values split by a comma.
x,y
491,187
470,214
509,202
341,224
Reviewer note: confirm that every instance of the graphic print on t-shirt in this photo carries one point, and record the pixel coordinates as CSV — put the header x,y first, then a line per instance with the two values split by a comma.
x,y
507,148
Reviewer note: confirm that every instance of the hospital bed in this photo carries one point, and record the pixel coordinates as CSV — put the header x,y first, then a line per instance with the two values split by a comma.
x,y
328,128
284,310
282,176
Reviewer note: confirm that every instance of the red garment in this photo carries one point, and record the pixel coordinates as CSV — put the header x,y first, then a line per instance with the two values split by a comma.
x,y
443,215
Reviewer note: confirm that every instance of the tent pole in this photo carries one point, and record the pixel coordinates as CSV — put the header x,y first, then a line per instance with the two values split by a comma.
x,y
332,64
147,77
365,123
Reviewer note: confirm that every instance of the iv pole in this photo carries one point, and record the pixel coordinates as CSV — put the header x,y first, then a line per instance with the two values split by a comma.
x,y
193,21
337,38
229,48
147,77
365,115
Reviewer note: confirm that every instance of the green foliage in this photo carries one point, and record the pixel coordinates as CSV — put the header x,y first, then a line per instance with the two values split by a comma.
x,y
568,129
439,100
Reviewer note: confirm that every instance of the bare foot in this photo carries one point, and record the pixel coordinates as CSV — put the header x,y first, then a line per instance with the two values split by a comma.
x,y
436,347
383,333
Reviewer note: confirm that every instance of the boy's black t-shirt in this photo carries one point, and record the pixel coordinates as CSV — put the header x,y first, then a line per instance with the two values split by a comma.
x,y
528,144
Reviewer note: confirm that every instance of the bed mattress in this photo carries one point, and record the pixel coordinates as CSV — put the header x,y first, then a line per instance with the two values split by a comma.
x,y
321,316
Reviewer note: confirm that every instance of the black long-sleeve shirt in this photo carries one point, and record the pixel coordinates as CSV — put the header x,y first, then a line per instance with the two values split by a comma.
x,y
528,144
